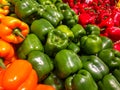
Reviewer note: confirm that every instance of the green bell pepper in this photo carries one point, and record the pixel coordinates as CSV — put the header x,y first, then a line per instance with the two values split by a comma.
x,y
41,27
116,74
106,42
51,14
54,81
78,31
66,62
80,81
109,82
111,57
93,64
41,63
92,29
65,29
56,41
30,43
26,10
74,47
91,44
70,17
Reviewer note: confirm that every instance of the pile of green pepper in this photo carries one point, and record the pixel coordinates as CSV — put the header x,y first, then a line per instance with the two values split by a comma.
x,y
65,54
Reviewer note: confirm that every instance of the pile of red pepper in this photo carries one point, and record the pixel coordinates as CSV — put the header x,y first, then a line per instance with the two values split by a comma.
x,y
104,13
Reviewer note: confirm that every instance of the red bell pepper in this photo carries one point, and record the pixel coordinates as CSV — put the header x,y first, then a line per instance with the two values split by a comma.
x,y
116,45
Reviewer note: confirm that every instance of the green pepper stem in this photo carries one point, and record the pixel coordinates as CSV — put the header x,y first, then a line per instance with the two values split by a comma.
x,y
2,64
16,31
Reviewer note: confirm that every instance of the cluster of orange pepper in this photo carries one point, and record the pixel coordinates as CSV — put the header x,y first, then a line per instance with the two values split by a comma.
x,y
15,74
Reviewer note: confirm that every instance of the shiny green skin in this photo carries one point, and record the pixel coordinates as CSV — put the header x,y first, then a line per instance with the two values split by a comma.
x,y
51,14
74,47
91,44
109,82
65,29
92,29
41,27
56,41
30,43
116,74
27,10
97,68
80,81
78,31
106,42
41,63
70,17
111,57
54,81
66,62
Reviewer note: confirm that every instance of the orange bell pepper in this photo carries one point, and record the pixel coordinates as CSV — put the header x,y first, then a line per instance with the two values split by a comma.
x,y
19,75
4,7
13,30
44,87
6,52
2,71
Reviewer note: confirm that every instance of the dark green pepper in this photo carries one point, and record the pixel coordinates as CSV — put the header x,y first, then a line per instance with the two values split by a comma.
x,y
92,29
95,66
116,74
51,14
80,81
54,81
91,44
30,43
41,27
70,17
27,10
78,31
109,82
56,41
41,63
106,42
111,57
74,47
66,62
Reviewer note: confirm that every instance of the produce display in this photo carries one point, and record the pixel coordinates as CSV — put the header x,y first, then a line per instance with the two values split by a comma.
x,y
59,45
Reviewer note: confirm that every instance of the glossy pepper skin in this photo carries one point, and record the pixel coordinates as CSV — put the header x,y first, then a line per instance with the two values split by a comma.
x,y
74,47
56,41
78,31
111,57
31,43
93,64
54,81
13,30
6,52
109,82
4,7
106,42
26,10
82,80
41,63
70,17
116,74
92,29
65,29
51,14
41,27
19,75
91,44
69,61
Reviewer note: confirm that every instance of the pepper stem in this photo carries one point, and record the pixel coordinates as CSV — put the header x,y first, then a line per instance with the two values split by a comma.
x,y
2,64
16,31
